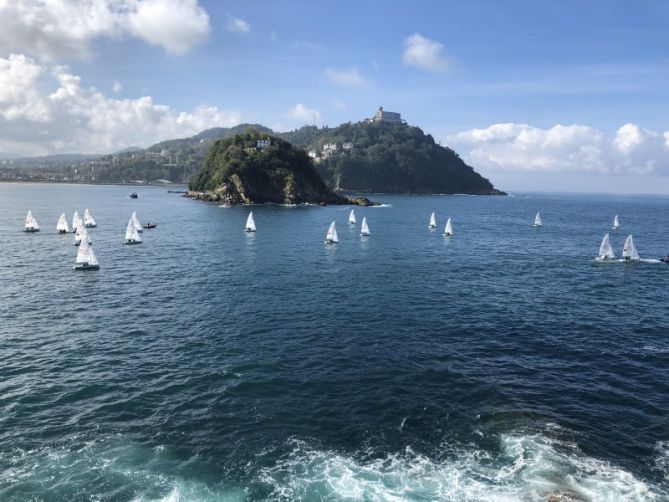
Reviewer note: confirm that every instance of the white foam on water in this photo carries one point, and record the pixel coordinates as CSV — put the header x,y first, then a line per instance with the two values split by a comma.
x,y
527,468
662,459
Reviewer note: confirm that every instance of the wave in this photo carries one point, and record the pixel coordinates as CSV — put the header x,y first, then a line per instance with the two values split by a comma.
x,y
526,468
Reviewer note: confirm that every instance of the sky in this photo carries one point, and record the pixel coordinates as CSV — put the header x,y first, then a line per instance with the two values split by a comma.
x,y
554,95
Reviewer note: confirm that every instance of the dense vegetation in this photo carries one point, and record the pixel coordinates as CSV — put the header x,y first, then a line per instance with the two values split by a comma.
x,y
237,171
394,158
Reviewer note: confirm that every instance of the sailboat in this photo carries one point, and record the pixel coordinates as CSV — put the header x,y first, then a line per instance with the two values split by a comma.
x,y
31,223
616,223
605,250
433,220
331,237
86,259
630,252
131,234
89,222
537,220
364,228
135,221
351,218
62,227
448,231
250,223
80,233
75,221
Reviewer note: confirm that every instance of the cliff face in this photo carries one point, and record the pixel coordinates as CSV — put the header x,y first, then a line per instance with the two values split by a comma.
x,y
390,158
239,170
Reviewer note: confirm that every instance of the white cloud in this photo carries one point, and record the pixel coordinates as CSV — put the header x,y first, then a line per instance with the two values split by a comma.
x,y
117,87
350,77
338,104
236,24
564,148
424,53
303,114
47,110
63,29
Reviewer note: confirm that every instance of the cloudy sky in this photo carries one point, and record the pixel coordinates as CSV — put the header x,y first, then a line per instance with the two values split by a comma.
x,y
551,95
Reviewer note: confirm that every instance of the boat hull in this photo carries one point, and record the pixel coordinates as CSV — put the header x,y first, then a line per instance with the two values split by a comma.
x,y
31,230
86,266
131,242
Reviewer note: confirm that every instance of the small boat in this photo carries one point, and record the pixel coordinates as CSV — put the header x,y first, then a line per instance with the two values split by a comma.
x,y
62,227
448,231
630,252
31,223
75,221
131,234
150,225
89,222
351,218
537,220
605,250
86,259
80,235
331,237
433,221
133,195
135,221
250,224
364,228
616,223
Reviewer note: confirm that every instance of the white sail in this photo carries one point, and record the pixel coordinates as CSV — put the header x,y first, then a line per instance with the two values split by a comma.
x,y
75,220
131,234
89,222
364,228
537,220
80,233
250,223
616,223
331,237
31,222
605,250
93,260
351,217
85,254
433,220
629,249
62,227
449,228
136,222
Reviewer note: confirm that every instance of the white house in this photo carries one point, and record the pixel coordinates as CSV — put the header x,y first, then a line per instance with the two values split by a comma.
x,y
263,143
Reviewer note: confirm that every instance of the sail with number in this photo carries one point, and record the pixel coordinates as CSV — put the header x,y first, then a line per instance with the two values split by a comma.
x,y
131,234
85,256
250,223
135,221
364,227
75,220
629,249
605,249
62,227
31,223
449,228
89,222
616,223
537,220
433,220
351,217
331,237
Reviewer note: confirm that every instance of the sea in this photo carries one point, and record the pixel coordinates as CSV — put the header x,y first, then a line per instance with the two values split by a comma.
x,y
208,364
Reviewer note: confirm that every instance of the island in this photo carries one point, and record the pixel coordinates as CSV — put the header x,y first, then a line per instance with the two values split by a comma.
x,y
258,168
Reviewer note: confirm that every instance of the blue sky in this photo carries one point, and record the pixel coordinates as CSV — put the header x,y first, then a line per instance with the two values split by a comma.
x,y
580,86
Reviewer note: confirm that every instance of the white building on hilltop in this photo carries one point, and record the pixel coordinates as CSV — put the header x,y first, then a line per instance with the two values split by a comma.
x,y
263,143
390,117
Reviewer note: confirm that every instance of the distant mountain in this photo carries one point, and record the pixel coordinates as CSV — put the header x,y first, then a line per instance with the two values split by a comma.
x,y
257,168
129,149
389,158
204,139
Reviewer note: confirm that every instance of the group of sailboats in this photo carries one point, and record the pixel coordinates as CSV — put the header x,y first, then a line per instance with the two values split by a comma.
x,y
630,252
448,229
332,238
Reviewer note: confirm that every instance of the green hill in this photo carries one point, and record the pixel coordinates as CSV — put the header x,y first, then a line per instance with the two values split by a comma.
x,y
239,170
387,158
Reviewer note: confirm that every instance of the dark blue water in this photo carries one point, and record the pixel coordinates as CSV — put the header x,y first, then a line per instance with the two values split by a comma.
x,y
209,364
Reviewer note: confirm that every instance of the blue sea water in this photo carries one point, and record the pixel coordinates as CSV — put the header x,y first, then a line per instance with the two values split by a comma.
x,y
503,363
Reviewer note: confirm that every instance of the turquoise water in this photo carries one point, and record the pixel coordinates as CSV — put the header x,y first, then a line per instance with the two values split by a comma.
x,y
503,363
